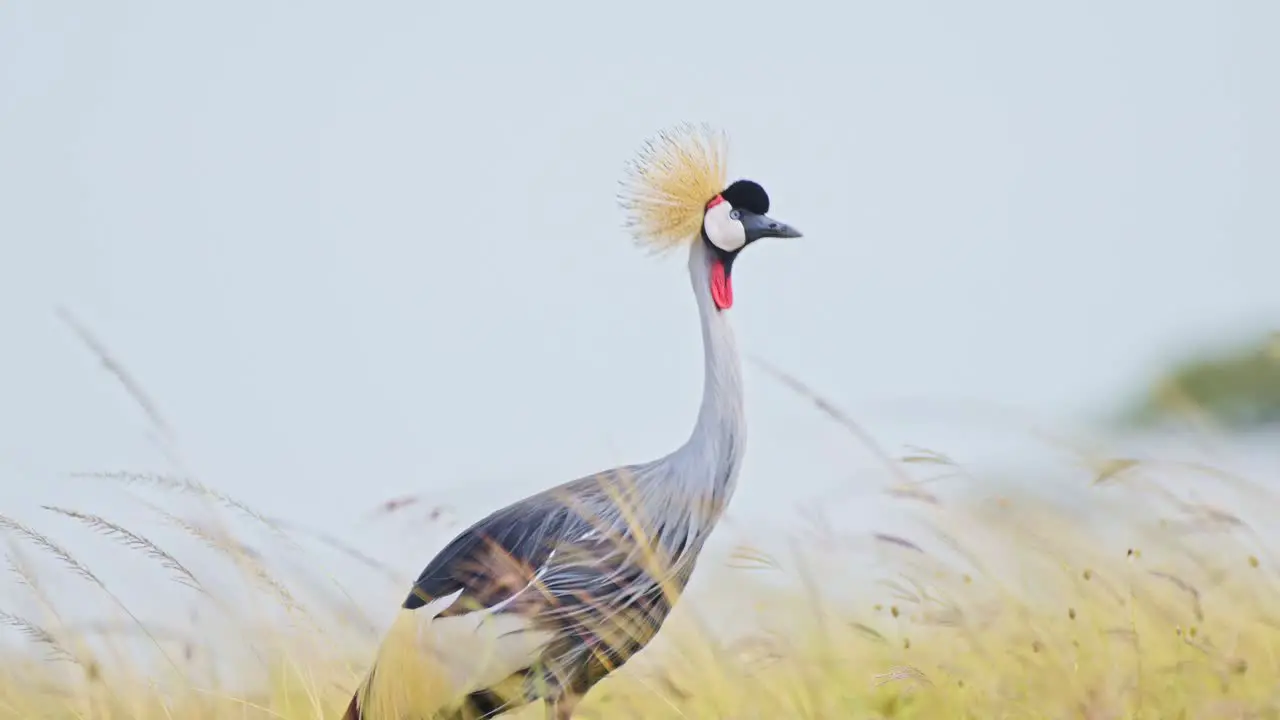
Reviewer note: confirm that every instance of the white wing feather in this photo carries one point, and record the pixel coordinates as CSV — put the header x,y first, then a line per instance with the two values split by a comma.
x,y
479,649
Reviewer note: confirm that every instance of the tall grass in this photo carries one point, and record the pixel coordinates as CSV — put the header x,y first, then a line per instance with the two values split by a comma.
x,y
1000,606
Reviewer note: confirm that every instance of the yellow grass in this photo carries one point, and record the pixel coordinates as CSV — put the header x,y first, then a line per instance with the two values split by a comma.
x,y
1000,607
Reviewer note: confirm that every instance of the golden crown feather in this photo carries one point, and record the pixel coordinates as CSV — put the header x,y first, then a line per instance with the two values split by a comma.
x,y
667,185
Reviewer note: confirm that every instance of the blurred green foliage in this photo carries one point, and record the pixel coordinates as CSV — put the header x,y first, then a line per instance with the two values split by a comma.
x,y
1237,388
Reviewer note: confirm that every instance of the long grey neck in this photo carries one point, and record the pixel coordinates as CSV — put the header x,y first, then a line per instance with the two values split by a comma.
x,y
709,461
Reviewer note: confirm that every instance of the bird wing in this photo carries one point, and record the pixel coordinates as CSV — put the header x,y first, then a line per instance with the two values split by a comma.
x,y
492,560
570,528
536,573
461,610
480,606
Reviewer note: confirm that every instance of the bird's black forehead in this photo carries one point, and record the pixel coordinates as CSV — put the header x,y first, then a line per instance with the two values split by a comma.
x,y
747,195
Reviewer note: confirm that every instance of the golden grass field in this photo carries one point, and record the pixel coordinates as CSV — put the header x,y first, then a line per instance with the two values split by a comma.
x,y
1005,608
1002,606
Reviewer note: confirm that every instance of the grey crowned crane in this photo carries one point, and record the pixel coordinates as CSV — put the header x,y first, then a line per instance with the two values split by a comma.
x,y
545,597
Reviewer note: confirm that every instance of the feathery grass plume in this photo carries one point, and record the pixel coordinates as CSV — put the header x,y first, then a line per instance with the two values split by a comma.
x,y
244,558
54,549
227,547
27,577
182,485
217,540
46,544
133,541
254,566
221,541
666,187
40,636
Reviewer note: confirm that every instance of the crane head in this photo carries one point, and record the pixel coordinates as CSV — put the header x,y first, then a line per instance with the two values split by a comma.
x,y
675,194
735,218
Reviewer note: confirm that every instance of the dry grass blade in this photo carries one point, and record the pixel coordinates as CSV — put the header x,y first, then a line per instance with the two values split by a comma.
x,y
840,417
363,558
80,569
898,541
21,570
118,371
240,555
46,544
1111,469
182,485
1186,587
133,541
921,455
214,539
39,635
744,557
904,673
869,632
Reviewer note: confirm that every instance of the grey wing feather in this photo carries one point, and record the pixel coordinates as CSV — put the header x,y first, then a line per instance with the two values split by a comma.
x,y
565,559
500,554
474,561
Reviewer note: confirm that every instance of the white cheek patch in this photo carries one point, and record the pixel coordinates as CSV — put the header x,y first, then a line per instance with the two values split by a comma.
x,y
723,231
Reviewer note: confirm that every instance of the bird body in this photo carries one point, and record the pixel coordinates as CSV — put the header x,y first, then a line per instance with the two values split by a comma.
x,y
543,598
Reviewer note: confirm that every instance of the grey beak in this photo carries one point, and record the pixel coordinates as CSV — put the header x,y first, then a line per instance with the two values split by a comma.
x,y
763,226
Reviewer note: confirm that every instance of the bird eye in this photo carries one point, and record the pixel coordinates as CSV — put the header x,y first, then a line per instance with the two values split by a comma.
x,y
735,214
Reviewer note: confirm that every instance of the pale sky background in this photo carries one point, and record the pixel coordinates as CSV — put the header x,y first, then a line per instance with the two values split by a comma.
x,y
357,251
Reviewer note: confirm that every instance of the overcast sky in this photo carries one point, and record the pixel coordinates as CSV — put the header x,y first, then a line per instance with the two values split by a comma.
x,y
362,250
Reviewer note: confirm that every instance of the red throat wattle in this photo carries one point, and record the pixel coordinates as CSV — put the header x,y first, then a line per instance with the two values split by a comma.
x,y
721,286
